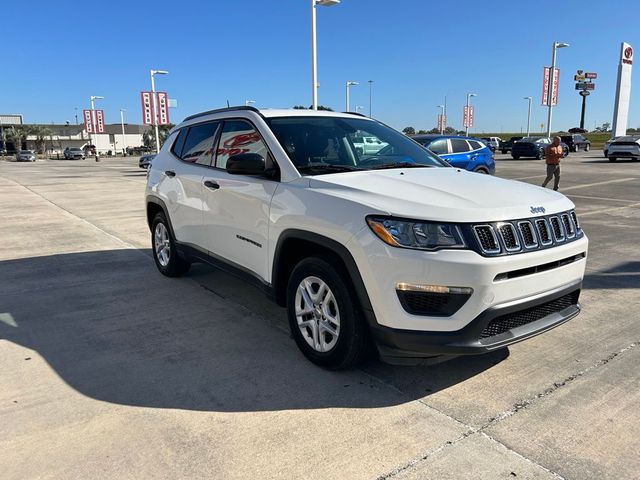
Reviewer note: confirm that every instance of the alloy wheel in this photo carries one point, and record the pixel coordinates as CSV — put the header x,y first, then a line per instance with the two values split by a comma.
x,y
162,244
317,314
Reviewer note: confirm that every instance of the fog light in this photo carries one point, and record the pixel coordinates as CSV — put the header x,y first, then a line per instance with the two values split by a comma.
x,y
432,300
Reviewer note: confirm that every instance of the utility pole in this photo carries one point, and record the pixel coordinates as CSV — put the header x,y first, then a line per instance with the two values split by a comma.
x,y
370,83
124,144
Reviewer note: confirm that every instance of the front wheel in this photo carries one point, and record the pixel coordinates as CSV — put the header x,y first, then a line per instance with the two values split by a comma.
x,y
165,255
324,316
612,159
587,147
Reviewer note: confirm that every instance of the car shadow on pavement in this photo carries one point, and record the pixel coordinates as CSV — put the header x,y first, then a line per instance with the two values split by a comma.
x,y
624,275
114,329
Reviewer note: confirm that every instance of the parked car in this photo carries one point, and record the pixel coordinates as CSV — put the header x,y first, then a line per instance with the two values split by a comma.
x,y
462,152
492,142
534,147
74,153
505,147
395,250
368,145
25,156
145,160
576,142
624,147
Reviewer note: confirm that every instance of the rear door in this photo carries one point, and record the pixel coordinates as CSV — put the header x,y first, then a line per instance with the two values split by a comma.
x,y
460,155
236,207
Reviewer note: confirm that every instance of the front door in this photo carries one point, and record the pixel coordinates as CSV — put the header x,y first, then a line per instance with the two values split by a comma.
x,y
236,207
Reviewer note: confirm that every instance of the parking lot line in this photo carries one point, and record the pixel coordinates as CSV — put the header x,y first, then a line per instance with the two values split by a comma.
x,y
620,180
530,178
604,210
589,197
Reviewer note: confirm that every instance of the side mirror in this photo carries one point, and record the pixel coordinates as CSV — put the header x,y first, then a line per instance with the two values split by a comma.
x,y
246,164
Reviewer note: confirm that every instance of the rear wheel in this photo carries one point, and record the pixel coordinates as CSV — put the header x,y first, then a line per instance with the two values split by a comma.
x,y
612,159
481,170
587,147
164,249
515,157
324,316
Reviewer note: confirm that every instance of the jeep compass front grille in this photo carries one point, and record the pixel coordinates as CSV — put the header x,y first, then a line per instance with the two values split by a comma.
x,y
525,235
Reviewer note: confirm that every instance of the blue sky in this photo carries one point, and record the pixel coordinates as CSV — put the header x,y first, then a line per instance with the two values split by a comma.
x,y
415,51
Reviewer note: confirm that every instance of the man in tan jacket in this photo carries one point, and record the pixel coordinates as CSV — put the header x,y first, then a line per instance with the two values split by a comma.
x,y
552,158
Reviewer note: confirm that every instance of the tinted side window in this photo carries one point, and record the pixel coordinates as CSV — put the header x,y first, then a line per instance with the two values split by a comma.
x,y
179,143
198,145
459,146
475,145
239,136
439,147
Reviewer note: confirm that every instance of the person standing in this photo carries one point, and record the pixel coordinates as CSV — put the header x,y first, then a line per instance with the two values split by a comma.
x,y
552,158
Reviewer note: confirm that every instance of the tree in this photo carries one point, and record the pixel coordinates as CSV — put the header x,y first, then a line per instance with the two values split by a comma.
x,y
16,136
149,137
409,131
450,131
320,107
41,133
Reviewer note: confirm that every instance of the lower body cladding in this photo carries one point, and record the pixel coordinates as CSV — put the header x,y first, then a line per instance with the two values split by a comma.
x,y
456,302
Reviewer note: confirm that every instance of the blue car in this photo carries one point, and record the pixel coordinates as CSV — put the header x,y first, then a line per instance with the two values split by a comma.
x,y
462,152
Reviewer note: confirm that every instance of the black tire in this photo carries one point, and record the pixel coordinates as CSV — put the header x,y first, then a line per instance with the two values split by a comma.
x,y
587,147
504,151
176,265
515,157
352,344
481,170
565,153
539,154
612,159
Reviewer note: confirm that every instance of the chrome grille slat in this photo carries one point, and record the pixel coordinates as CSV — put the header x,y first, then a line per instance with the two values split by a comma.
x,y
569,229
529,237
509,237
487,238
557,229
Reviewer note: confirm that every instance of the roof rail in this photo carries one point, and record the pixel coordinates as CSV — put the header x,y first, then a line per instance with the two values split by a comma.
x,y
357,113
220,110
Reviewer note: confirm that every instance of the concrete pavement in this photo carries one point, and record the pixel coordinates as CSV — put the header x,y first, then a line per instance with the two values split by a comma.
x,y
110,370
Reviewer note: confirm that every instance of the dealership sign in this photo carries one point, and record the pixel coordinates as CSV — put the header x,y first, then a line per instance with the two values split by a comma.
x,y
623,91
467,116
554,87
93,121
149,115
442,122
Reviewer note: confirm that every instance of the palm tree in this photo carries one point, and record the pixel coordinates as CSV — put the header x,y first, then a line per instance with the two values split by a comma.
x,y
16,136
41,133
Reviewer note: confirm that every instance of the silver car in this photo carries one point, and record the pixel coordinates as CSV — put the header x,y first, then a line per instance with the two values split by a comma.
x,y
624,147
72,153
26,156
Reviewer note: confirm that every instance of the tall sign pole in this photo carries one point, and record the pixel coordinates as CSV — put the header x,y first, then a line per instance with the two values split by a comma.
x,y
623,91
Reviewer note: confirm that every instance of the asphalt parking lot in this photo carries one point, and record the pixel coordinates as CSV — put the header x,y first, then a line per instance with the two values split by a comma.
x,y
109,370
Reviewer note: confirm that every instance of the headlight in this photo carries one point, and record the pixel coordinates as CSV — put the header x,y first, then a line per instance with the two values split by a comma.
x,y
416,234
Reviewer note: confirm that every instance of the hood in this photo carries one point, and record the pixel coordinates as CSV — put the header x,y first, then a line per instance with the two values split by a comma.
x,y
442,194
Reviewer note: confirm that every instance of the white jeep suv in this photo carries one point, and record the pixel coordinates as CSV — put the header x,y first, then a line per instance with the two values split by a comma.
x,y
394,249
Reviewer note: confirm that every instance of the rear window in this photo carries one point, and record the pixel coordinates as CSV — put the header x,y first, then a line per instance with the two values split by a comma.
x,y
475,145
439,147
459,146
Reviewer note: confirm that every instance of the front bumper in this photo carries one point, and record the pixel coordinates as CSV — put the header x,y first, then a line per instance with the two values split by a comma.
x,y
497,327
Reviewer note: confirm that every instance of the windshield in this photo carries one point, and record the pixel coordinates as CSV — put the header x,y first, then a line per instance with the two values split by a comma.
x,y
75,149
530,139
25,151
318,145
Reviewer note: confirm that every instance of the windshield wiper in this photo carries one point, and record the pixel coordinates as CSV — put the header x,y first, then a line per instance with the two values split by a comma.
x,y
327,166
403,165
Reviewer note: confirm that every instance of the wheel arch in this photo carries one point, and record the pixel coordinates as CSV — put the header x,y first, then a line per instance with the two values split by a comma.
x,y
154,206
294,245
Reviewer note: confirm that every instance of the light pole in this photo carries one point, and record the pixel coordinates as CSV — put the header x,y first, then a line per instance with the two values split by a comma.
x,y
528,114
124,144
348,84
155,104
93,117
370,84
314,54
441,107
248,102
552,74
469,95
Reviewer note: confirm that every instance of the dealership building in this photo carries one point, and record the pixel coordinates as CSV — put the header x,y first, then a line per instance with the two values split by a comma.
x,y
60,137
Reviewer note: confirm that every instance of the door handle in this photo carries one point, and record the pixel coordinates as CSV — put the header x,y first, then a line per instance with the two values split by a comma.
x,y
211,184
170,173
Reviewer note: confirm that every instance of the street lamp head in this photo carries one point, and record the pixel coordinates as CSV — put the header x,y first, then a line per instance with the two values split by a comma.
x,y
561,45
473,94
528,98
327,3
123,109
96,97
439,106
349,83
159,72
